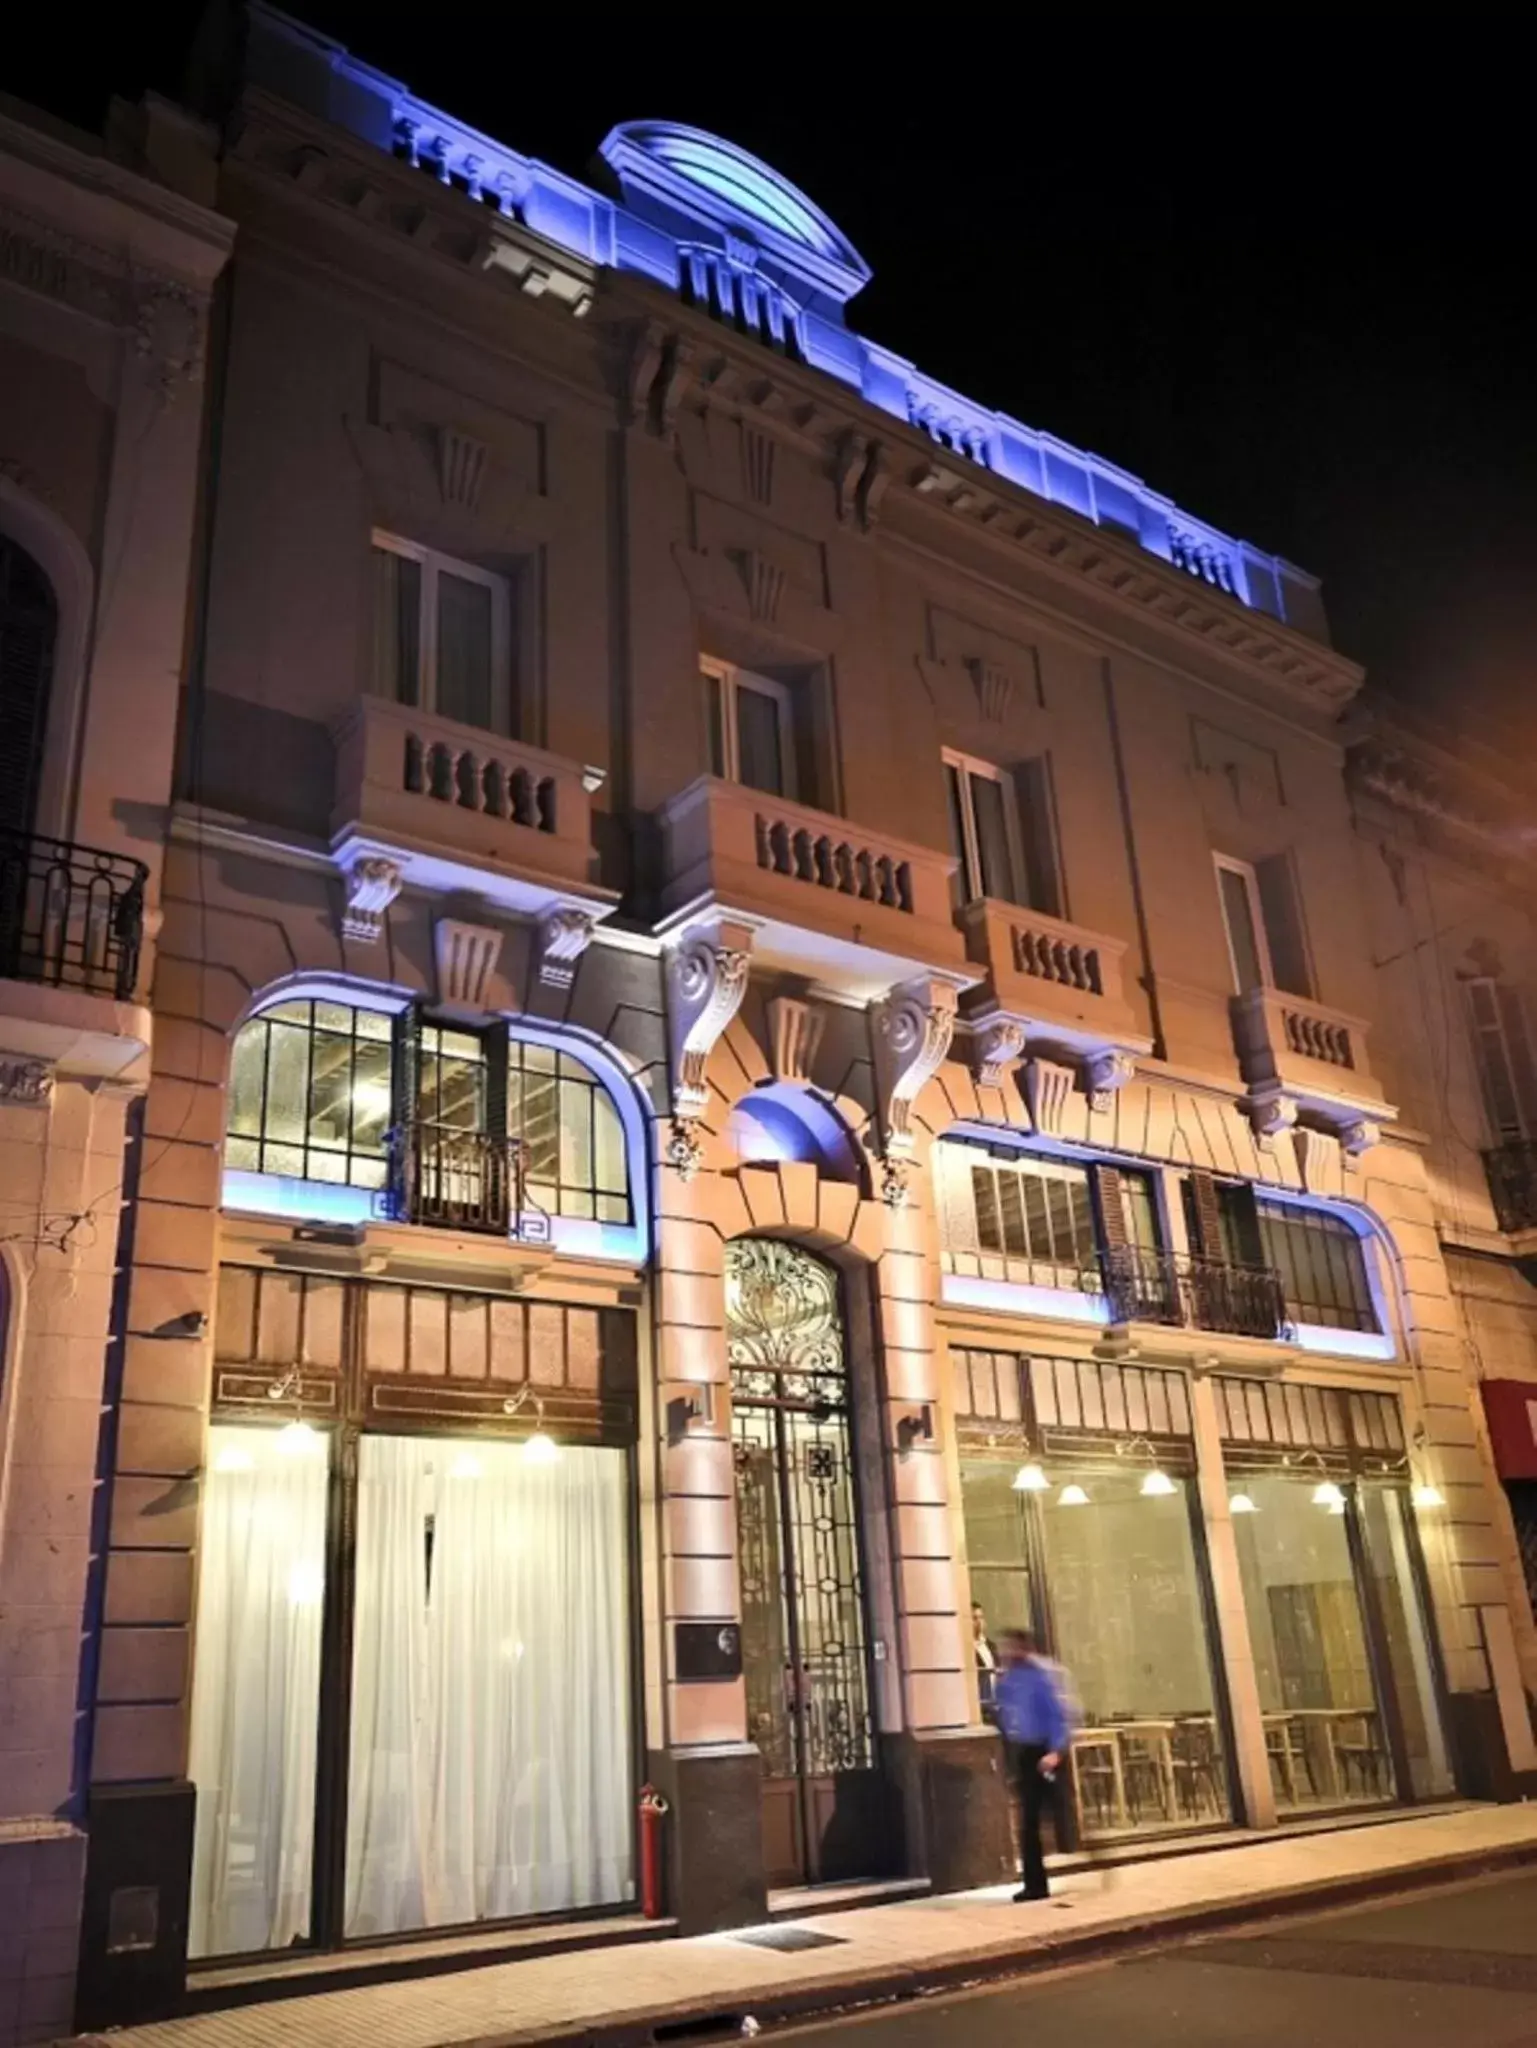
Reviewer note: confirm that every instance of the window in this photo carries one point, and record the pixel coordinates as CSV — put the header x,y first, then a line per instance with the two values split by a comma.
x,y
310,1094
1322,1266
752,733
1002,835
1039,1213
442,635
1263,920
1503,1050
28,628
574,1154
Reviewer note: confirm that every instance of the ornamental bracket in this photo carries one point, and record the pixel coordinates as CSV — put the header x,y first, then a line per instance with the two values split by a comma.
x,y
706,980
911,1032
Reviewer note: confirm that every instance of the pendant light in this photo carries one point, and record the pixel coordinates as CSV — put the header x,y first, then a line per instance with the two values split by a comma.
x,y
1072,1496
1242,1504
299,1439
1327,1495
1031,1479
1427,1496
1157,1483
540,1448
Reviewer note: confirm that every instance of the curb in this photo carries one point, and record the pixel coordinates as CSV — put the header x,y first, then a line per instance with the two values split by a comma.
x,y
707,2020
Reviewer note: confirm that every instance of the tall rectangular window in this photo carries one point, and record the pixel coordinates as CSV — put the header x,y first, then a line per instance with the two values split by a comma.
x,y
1002,833
752,736
442,635
1263,920
1503,1049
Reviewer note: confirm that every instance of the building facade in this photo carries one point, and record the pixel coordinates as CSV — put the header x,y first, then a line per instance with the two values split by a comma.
x,y
1447,877
759,1074
105,277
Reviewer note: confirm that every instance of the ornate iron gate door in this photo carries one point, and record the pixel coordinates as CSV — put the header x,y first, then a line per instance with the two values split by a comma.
x,y
804,1637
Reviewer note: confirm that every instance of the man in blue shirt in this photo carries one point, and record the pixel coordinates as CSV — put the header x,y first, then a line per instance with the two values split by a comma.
x,y
1036,1734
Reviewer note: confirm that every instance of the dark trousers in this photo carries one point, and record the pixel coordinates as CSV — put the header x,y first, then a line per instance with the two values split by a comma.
x,y
1032,1795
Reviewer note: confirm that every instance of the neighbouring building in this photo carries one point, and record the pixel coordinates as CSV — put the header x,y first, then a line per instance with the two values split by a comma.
x,y
1444,815
105,277
758,1043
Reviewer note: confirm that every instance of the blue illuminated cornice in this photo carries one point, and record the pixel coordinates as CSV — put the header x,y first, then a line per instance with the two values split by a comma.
x,y
702,217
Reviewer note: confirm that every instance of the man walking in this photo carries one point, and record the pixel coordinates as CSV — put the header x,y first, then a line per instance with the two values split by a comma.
x,y
1035,1730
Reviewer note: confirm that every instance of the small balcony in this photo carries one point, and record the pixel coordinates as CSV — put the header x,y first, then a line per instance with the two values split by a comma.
x,y
856,909
1293,1050
70,916
459,809
457,1179
1512,1173
1188,1292
1060,981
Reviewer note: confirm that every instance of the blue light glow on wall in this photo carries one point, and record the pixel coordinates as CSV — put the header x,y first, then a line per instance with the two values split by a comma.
x,y
684,189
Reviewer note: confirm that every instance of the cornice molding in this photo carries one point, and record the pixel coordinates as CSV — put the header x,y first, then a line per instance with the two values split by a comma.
x,y
869,456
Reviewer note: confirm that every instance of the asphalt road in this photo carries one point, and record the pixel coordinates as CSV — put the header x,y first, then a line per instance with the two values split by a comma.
x,y
1451,1968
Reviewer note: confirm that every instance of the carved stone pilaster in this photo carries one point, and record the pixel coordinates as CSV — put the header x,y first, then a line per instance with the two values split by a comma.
x,y
706,980
911,1031
564,936
995,1046
795,1032
466,956
1048,1087
372,883
1104,1073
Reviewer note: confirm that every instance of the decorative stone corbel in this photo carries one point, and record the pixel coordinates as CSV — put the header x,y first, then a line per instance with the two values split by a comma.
x,y
372,884
848,473
706,980
873,486
1358,1137
995,1046
764,582
466,956
25,1082
461,467
795,1032
673,379
1048,1087
994,687
683,1150
1104,1073
911,1029
1270,1115
564,936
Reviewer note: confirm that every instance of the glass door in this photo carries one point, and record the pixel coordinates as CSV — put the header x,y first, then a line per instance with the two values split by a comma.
x,y
1389,1547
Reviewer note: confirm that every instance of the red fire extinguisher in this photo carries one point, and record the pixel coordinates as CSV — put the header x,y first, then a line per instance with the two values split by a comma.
x,y
652,1807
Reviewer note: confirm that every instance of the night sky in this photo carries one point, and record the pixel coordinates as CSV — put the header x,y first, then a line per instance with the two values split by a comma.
x,y
1278,267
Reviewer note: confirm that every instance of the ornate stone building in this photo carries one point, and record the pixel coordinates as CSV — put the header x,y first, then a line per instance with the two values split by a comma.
x,y
760,1073
104,283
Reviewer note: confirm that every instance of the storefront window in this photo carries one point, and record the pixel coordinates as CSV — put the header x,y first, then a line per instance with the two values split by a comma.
x,y
1385,1525
1323,1722
1127,1622
490,1772
255,1703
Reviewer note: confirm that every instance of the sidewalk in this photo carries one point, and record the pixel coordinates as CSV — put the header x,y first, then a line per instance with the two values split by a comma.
x,y
620,1995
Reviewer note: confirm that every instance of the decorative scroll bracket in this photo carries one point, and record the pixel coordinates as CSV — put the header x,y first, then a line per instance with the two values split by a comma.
x,y
564,936
372,883
706,980
26,1082
1270,1116
911,1030
1358,1137
996,1046
1104,1074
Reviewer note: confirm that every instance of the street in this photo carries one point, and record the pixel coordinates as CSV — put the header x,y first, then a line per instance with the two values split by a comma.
x,y
1457,1964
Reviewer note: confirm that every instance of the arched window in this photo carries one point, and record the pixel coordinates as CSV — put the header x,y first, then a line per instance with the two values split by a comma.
x,y
29,619
489,1129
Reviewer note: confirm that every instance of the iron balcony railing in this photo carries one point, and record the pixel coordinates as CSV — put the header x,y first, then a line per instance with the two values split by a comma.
x,y
1205,1294
457,1179
70,916
1512,1173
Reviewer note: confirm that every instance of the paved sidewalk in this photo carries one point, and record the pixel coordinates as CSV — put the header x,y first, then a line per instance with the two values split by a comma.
x,y
618,1995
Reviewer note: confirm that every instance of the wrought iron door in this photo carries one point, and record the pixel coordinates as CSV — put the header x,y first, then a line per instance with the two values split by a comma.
x,y
804,1636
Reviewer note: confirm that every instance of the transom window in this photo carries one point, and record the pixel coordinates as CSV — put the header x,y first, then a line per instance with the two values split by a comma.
x,y
752,737
442,635
310,1094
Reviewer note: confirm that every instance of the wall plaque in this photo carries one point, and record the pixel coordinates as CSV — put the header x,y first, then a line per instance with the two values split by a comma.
x,y
707,1650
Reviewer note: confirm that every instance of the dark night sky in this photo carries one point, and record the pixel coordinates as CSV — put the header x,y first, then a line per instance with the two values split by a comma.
x,y
1284,278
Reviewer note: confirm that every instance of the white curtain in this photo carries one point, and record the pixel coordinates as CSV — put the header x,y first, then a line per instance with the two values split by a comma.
x,y
256,1687
490,1710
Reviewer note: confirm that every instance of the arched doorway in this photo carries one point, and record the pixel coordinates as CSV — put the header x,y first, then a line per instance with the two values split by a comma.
x,y
805,1631
29,620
